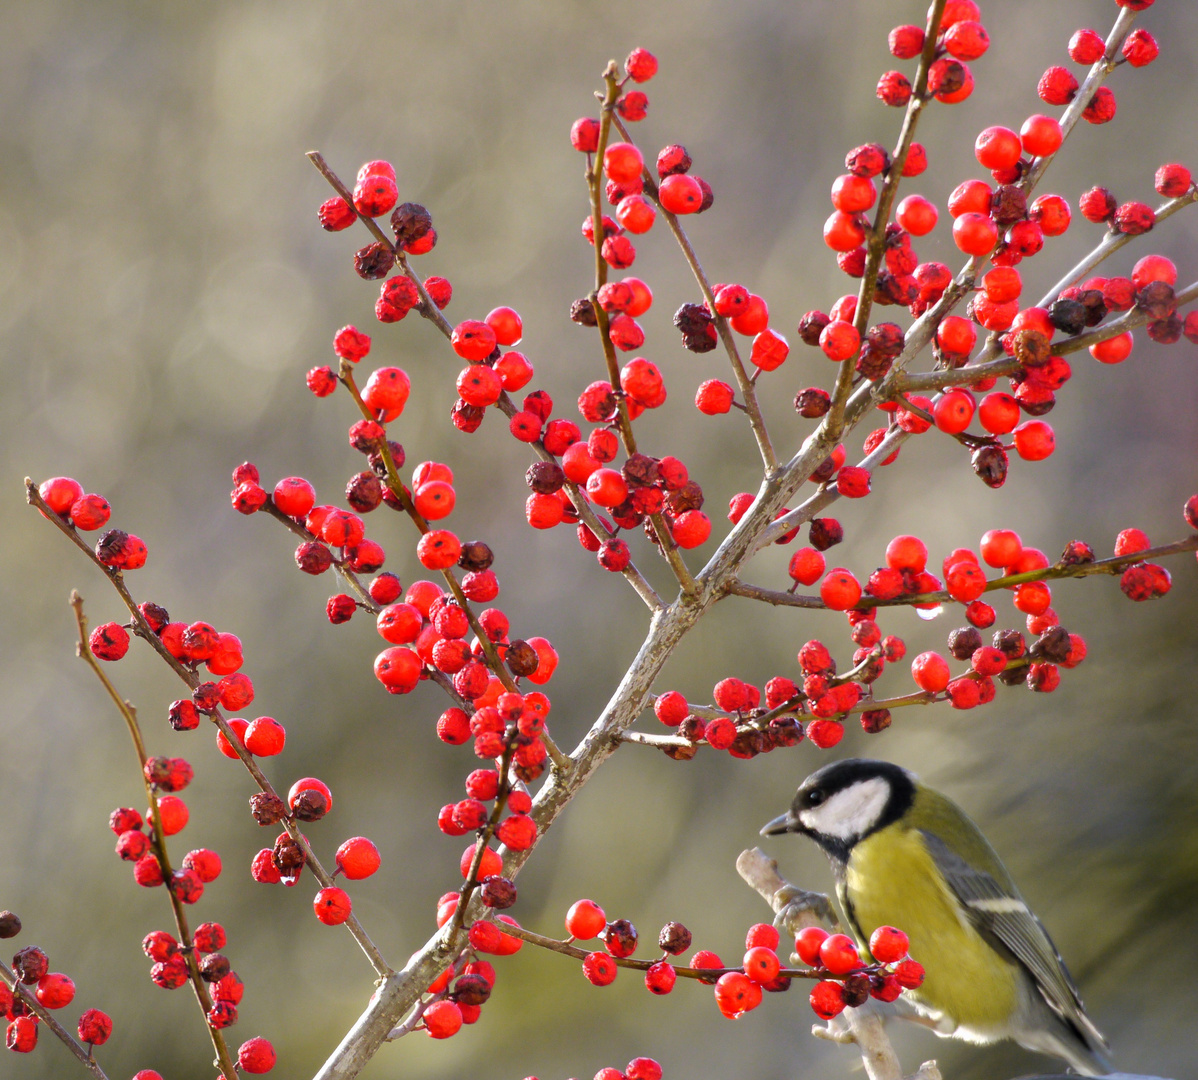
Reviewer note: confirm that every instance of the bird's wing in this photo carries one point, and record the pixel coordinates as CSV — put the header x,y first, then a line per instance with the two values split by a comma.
x,y
1002,914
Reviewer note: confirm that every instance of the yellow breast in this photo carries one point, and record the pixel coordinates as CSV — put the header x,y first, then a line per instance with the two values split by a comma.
x,y
891,880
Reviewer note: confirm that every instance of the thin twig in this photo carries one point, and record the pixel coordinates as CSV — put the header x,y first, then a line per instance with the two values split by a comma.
x,y
877,238
881,1062
7,975
191,679
431,312
747,386
158,838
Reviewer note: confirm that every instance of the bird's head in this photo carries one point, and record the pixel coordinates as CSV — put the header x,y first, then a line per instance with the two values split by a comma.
x,y
844,802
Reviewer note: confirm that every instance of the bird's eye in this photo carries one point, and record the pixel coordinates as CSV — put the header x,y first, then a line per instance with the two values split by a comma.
x,y
814,797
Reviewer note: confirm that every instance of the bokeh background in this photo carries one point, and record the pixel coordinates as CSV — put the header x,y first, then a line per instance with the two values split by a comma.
x,y
163,288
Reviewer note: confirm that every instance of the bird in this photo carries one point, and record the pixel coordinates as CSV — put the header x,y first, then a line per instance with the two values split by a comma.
x,y
904,855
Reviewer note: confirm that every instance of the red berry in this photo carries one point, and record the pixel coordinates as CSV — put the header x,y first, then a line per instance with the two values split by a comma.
x,y
584,135
55,990
680,193
999,413
839,340
930,672
1086,46
1041,135
736,994
641,65
358,858
1114,350
888,945
839,954
1001,547
585,920
264,737
256,1055
840,590
953,411
375,195
332,906
917,215
997,148
660,977
974,233
843,232
1131,541
600,969
1034,440
806,566
827,999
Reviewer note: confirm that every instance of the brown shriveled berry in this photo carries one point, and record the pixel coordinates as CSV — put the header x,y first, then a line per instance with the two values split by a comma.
x,y
640,470
674,938
471,989
825,532
521,658
812,402
498,892
964,642
214,967
411,222
364,492
1068,316
785,731
1010,643
1076,553
1156,299
875,720
1053,645
990,464
545,477
620,938
475,556
310,805
267,809
856,990
374,261
30,964
1031,348
288,856
10,925
582,311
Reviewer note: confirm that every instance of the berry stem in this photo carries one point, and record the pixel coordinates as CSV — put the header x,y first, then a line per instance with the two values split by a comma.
x,y
1112,242
83,650
864,1026
430,311
834,421
747,385
8,976
701,974
594,179
189,677
1134,317
1050,573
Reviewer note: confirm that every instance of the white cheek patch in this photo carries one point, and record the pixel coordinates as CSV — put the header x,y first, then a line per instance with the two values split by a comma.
x,y
850,813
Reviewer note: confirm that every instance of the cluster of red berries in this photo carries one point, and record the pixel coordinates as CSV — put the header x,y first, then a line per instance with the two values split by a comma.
x,y
199,867
51,990
749,729
457,995
846,978
641,1068
854,980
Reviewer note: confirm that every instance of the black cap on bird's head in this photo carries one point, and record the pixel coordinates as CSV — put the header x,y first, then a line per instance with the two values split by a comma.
x,y
844,802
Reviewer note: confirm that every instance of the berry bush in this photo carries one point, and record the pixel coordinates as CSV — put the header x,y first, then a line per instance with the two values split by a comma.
x,y
850,475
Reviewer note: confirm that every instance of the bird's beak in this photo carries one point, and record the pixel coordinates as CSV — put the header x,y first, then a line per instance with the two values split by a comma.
x,y
783,823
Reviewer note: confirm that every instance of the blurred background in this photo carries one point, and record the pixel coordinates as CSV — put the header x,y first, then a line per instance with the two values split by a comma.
x,y
163,288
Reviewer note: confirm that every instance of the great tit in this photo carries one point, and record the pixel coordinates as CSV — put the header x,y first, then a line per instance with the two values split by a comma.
x,y
906,856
